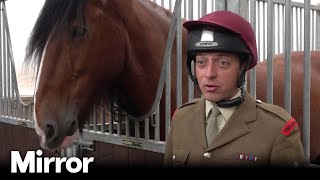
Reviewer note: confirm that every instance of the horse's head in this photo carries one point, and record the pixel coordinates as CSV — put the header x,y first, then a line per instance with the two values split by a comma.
x,y
80,49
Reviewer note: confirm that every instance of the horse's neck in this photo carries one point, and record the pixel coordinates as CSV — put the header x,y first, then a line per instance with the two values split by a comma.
x,y
146,30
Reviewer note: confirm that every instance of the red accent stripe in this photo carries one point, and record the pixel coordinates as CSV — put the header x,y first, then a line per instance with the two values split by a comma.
x,y
288,127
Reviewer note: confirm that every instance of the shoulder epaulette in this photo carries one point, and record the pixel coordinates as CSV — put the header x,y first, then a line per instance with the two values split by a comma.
x,y
274,109
290,124
187,104
191,102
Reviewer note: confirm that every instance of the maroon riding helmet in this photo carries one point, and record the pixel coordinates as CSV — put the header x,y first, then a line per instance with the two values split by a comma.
x,y
222,31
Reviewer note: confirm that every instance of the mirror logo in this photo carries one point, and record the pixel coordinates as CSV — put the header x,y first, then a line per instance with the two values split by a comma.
x,y
34,163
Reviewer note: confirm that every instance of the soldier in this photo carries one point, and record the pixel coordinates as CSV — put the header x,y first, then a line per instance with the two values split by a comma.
x,y
228,127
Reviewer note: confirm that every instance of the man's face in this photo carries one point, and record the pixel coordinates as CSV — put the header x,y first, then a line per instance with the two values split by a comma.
x,y
217,74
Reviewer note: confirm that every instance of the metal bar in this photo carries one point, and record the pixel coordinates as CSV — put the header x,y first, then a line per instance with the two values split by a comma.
x,y
127,126
233,6
253,24
1,56
301,31
258,33
5,80
317,30
306,92
136,129
220,5
149,145
270,51
9,76
94,118
287,72
119,121
146,128
103,119
203,7
179,58
110,122
190,82
157,126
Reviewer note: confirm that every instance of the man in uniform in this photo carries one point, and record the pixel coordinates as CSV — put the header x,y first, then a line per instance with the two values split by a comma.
x,y
228,127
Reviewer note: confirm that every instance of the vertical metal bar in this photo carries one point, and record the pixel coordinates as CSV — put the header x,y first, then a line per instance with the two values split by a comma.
x,y
253,24
204,7
1,55
301,31
213,6
119,121
157,126
258,33
244,9
179,58
103,119
190,82
199,9
5,57
233,6
127,126
298,29
136,129
9,73
94,118
287,72
317,30
220,5
111,121
185,9
270,51
278,19
146,128
306,92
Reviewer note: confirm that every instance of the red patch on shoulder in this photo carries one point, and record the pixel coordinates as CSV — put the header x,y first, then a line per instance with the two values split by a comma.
x,y
288,127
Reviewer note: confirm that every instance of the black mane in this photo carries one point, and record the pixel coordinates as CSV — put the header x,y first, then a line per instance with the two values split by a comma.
x,y
54,15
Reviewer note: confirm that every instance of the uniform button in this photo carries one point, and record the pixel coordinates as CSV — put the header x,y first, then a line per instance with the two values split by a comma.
x,y
173,157
207,155
259,101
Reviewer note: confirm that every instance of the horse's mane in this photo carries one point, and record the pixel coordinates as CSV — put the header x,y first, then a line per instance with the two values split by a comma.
x,y
54,15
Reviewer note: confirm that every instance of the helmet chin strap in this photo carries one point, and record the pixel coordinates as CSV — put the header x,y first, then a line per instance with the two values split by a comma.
x,y
240,84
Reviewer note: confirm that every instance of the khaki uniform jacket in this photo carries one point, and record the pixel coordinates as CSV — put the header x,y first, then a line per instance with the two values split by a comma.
x,y
257,134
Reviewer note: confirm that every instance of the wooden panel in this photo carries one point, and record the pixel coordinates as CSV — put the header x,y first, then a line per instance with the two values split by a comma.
x,y
20,139
121,156
137,157
154,159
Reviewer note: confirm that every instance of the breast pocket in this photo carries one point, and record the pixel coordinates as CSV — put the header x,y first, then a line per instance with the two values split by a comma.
x,y
180,157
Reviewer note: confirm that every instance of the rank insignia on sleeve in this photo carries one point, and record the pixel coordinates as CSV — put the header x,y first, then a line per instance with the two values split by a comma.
x,y
288,127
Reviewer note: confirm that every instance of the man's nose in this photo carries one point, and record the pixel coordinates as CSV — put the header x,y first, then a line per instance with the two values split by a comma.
x,y
211,71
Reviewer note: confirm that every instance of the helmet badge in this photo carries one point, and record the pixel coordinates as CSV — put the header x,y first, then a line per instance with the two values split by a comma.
x,y
207,39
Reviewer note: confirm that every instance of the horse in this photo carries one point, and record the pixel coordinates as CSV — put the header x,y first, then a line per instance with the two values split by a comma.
x,y
297,75
88,52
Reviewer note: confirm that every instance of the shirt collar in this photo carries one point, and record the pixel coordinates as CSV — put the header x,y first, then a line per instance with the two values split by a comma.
x,y
226,112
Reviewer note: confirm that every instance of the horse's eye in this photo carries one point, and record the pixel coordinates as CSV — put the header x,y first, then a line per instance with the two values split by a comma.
x,y
79,32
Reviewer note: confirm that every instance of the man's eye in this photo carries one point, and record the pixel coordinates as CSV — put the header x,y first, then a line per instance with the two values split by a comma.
x,y
223,63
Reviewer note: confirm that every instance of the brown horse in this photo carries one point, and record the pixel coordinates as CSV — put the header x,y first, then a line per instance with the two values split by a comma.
x,y
93,51
297,75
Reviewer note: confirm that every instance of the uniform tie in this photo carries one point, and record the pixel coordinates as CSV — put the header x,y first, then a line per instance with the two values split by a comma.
x,y
212,128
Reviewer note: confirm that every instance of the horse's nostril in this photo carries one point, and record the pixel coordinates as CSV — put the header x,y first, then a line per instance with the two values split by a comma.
x,y
49,131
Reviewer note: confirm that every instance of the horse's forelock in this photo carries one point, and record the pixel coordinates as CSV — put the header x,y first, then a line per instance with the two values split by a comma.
x,y
54,16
